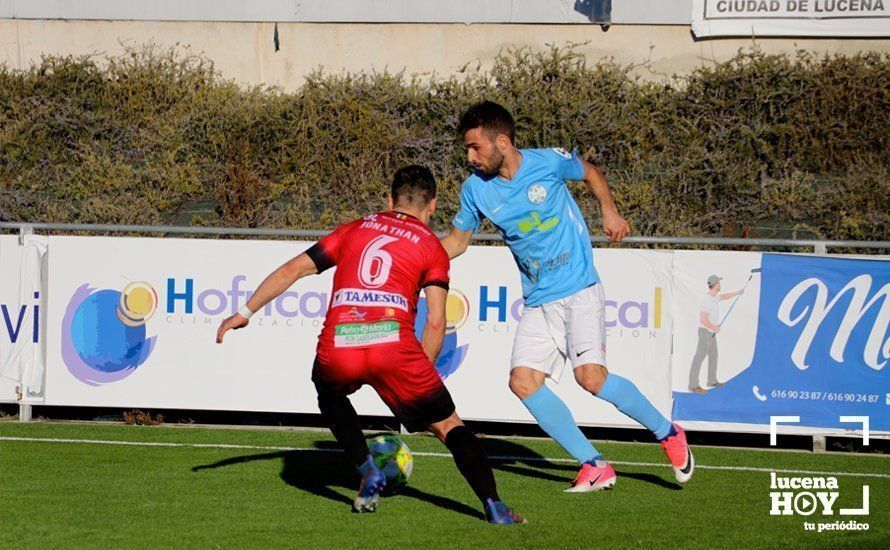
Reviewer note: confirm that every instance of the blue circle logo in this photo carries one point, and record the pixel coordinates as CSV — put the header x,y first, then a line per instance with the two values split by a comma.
x,y
104,334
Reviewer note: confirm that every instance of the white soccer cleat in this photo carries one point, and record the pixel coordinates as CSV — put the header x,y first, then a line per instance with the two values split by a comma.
x,y
679,454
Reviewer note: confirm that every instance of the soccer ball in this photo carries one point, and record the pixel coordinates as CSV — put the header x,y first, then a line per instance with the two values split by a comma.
x,y
393,458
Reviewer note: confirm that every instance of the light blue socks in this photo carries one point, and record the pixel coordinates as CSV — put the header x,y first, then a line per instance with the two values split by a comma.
x,y
622,393
556,419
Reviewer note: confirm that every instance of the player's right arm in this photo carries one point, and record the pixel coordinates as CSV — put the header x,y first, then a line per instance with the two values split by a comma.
x,y
322,255
434,331
277,282
457,242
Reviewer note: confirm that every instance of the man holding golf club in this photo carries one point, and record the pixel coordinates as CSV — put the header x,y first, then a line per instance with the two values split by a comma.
x,y
709,327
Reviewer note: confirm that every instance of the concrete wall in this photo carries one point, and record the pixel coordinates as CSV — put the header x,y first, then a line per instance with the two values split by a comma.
x,y
645,12
246,53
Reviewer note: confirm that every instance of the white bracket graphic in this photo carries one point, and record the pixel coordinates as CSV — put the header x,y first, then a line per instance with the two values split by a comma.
x,y
858,511
864,421
774,420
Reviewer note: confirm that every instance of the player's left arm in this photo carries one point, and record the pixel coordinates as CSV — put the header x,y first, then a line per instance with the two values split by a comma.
x,y
435,286
434,331
614,226
277,282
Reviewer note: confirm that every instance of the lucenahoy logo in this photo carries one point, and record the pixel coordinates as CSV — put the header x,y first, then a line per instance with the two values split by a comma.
x,y
457,311
103,332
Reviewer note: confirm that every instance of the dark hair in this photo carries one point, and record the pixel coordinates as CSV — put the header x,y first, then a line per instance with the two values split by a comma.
x,y
413,184
491,117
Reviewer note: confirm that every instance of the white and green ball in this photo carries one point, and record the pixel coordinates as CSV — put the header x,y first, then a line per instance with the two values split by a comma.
x,y
393,458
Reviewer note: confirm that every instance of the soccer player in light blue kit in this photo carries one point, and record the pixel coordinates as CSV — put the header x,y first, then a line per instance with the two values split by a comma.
x,y
524,194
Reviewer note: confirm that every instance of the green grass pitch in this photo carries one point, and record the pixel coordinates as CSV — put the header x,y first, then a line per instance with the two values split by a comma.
x,y
250,488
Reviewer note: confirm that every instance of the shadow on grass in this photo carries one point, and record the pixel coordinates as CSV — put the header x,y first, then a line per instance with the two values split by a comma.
x,y
323,470
511,457
650,478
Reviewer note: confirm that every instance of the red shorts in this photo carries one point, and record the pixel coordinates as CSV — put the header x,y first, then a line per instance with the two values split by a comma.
x,y
401,374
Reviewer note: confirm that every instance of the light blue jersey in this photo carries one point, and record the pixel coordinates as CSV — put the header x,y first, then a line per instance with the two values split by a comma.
x,y
539,220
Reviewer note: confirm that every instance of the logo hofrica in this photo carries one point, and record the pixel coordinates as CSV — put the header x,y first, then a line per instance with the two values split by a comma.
x,y
629,314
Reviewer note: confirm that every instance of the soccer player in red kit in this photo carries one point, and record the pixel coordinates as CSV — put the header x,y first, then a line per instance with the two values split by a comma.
x,y
383,262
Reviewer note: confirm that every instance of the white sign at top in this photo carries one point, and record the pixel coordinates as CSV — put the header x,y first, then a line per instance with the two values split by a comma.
x,y
791,18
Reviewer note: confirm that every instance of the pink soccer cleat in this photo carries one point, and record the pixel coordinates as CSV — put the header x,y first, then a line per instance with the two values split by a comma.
x,y
593,478
679,454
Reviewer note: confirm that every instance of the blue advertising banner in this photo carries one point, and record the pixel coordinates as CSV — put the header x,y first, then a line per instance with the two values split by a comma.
x,y
821,349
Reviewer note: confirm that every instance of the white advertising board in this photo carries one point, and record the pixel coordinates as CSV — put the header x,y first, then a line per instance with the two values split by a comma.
x,y
12,321
129,322
22,325
188,286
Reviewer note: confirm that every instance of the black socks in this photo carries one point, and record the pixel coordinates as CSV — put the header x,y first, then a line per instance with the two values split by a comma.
x,y
342,419
472,461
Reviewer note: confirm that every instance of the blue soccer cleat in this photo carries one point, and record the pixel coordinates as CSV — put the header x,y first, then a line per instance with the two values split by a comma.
x,y
500,514
373,483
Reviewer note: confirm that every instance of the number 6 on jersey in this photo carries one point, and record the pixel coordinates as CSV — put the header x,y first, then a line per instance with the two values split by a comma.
x,y
375,263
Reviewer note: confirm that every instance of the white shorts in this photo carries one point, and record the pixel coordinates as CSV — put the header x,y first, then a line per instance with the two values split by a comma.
x,y
573,327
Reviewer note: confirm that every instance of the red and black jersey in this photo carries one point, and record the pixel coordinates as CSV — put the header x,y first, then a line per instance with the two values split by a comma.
x,y
383,261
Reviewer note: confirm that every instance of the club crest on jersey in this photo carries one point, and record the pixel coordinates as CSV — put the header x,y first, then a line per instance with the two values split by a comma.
x,y
537,193
562,152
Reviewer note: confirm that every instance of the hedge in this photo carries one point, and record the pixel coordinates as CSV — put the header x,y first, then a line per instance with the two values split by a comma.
x,y
761,145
